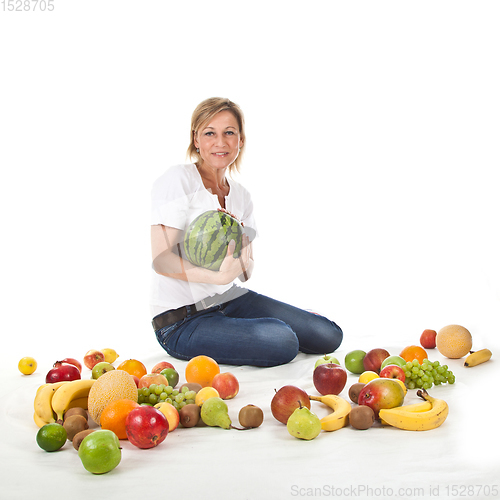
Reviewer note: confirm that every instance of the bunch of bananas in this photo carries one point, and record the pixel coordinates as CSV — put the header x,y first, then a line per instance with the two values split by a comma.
x,y
417,417
53,400
339,417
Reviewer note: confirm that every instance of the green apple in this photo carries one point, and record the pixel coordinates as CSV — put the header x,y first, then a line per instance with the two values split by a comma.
x,y
354,361
393,360
100,451
101,368
303,424
327,358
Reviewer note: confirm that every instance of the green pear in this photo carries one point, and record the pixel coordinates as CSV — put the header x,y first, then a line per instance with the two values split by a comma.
x,y
303,424
214,413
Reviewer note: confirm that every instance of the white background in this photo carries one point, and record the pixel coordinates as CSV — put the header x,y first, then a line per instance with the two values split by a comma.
x,y
372,157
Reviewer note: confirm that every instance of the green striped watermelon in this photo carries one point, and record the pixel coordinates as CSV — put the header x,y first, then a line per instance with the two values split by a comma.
x,y
208,236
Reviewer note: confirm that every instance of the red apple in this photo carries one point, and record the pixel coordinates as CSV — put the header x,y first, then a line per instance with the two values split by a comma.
x,y
373,359
92,357
287,400
226,384
381,393
428,339
329,378
159,367
136,380
152,378
146,427
62,372
171,413
393,371
74,362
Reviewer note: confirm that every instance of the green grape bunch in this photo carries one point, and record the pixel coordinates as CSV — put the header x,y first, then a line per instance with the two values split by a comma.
x,y
427,374
159,393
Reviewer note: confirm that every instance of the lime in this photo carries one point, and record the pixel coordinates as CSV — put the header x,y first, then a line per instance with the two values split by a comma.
x,y
51,437
171,375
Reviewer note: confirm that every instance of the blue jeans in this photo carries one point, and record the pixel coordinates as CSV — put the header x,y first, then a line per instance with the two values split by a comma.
x,y
250,330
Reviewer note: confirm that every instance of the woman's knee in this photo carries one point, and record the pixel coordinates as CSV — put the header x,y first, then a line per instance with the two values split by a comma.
x,y
278,342
325,336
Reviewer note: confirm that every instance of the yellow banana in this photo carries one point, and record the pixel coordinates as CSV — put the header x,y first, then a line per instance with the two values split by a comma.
x,y
477,357
41,387
417,407
39,421
43,401
64,396
417,421
339,417
79,403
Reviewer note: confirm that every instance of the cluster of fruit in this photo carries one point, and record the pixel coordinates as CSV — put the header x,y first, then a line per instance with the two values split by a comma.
x,y
130,403
412,367
381,388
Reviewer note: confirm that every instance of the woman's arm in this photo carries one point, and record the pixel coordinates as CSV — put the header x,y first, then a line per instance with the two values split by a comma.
x,y
247,273
164,240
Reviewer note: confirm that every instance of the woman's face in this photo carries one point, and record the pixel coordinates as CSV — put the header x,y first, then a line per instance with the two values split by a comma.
x,y
219,141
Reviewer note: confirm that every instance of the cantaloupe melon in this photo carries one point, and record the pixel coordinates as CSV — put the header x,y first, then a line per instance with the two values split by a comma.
x,y
454,341
113,385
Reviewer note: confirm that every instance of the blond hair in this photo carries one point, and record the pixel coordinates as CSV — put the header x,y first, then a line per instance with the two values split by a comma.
x,y
203,113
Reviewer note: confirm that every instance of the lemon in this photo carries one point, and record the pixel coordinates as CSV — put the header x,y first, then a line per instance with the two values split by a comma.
x,y
206,393
110,355
367,376
27,365
51,437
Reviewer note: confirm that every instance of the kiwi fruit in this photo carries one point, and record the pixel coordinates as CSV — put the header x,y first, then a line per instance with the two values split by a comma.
x,y
75,424
192,386
189,415
362,417
76,411
250,416
354,391
78,438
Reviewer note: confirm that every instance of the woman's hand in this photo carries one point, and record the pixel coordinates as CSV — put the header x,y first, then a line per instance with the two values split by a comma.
x,y
231,215
231,267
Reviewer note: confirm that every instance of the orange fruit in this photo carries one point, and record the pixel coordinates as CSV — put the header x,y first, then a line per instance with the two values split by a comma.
x,y
412,352
133,367
201,370
114,415
454,341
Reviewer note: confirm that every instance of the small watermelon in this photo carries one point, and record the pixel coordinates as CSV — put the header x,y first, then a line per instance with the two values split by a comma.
x,y
208,236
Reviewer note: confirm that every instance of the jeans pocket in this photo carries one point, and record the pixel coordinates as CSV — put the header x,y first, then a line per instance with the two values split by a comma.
x,y
166,332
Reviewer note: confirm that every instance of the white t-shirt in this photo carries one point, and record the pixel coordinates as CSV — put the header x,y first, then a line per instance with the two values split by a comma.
x,y
178,197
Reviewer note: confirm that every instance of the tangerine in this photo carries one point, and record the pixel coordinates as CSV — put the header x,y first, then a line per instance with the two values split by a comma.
x,y
133,367
412,352
454,341
201,370
114,415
